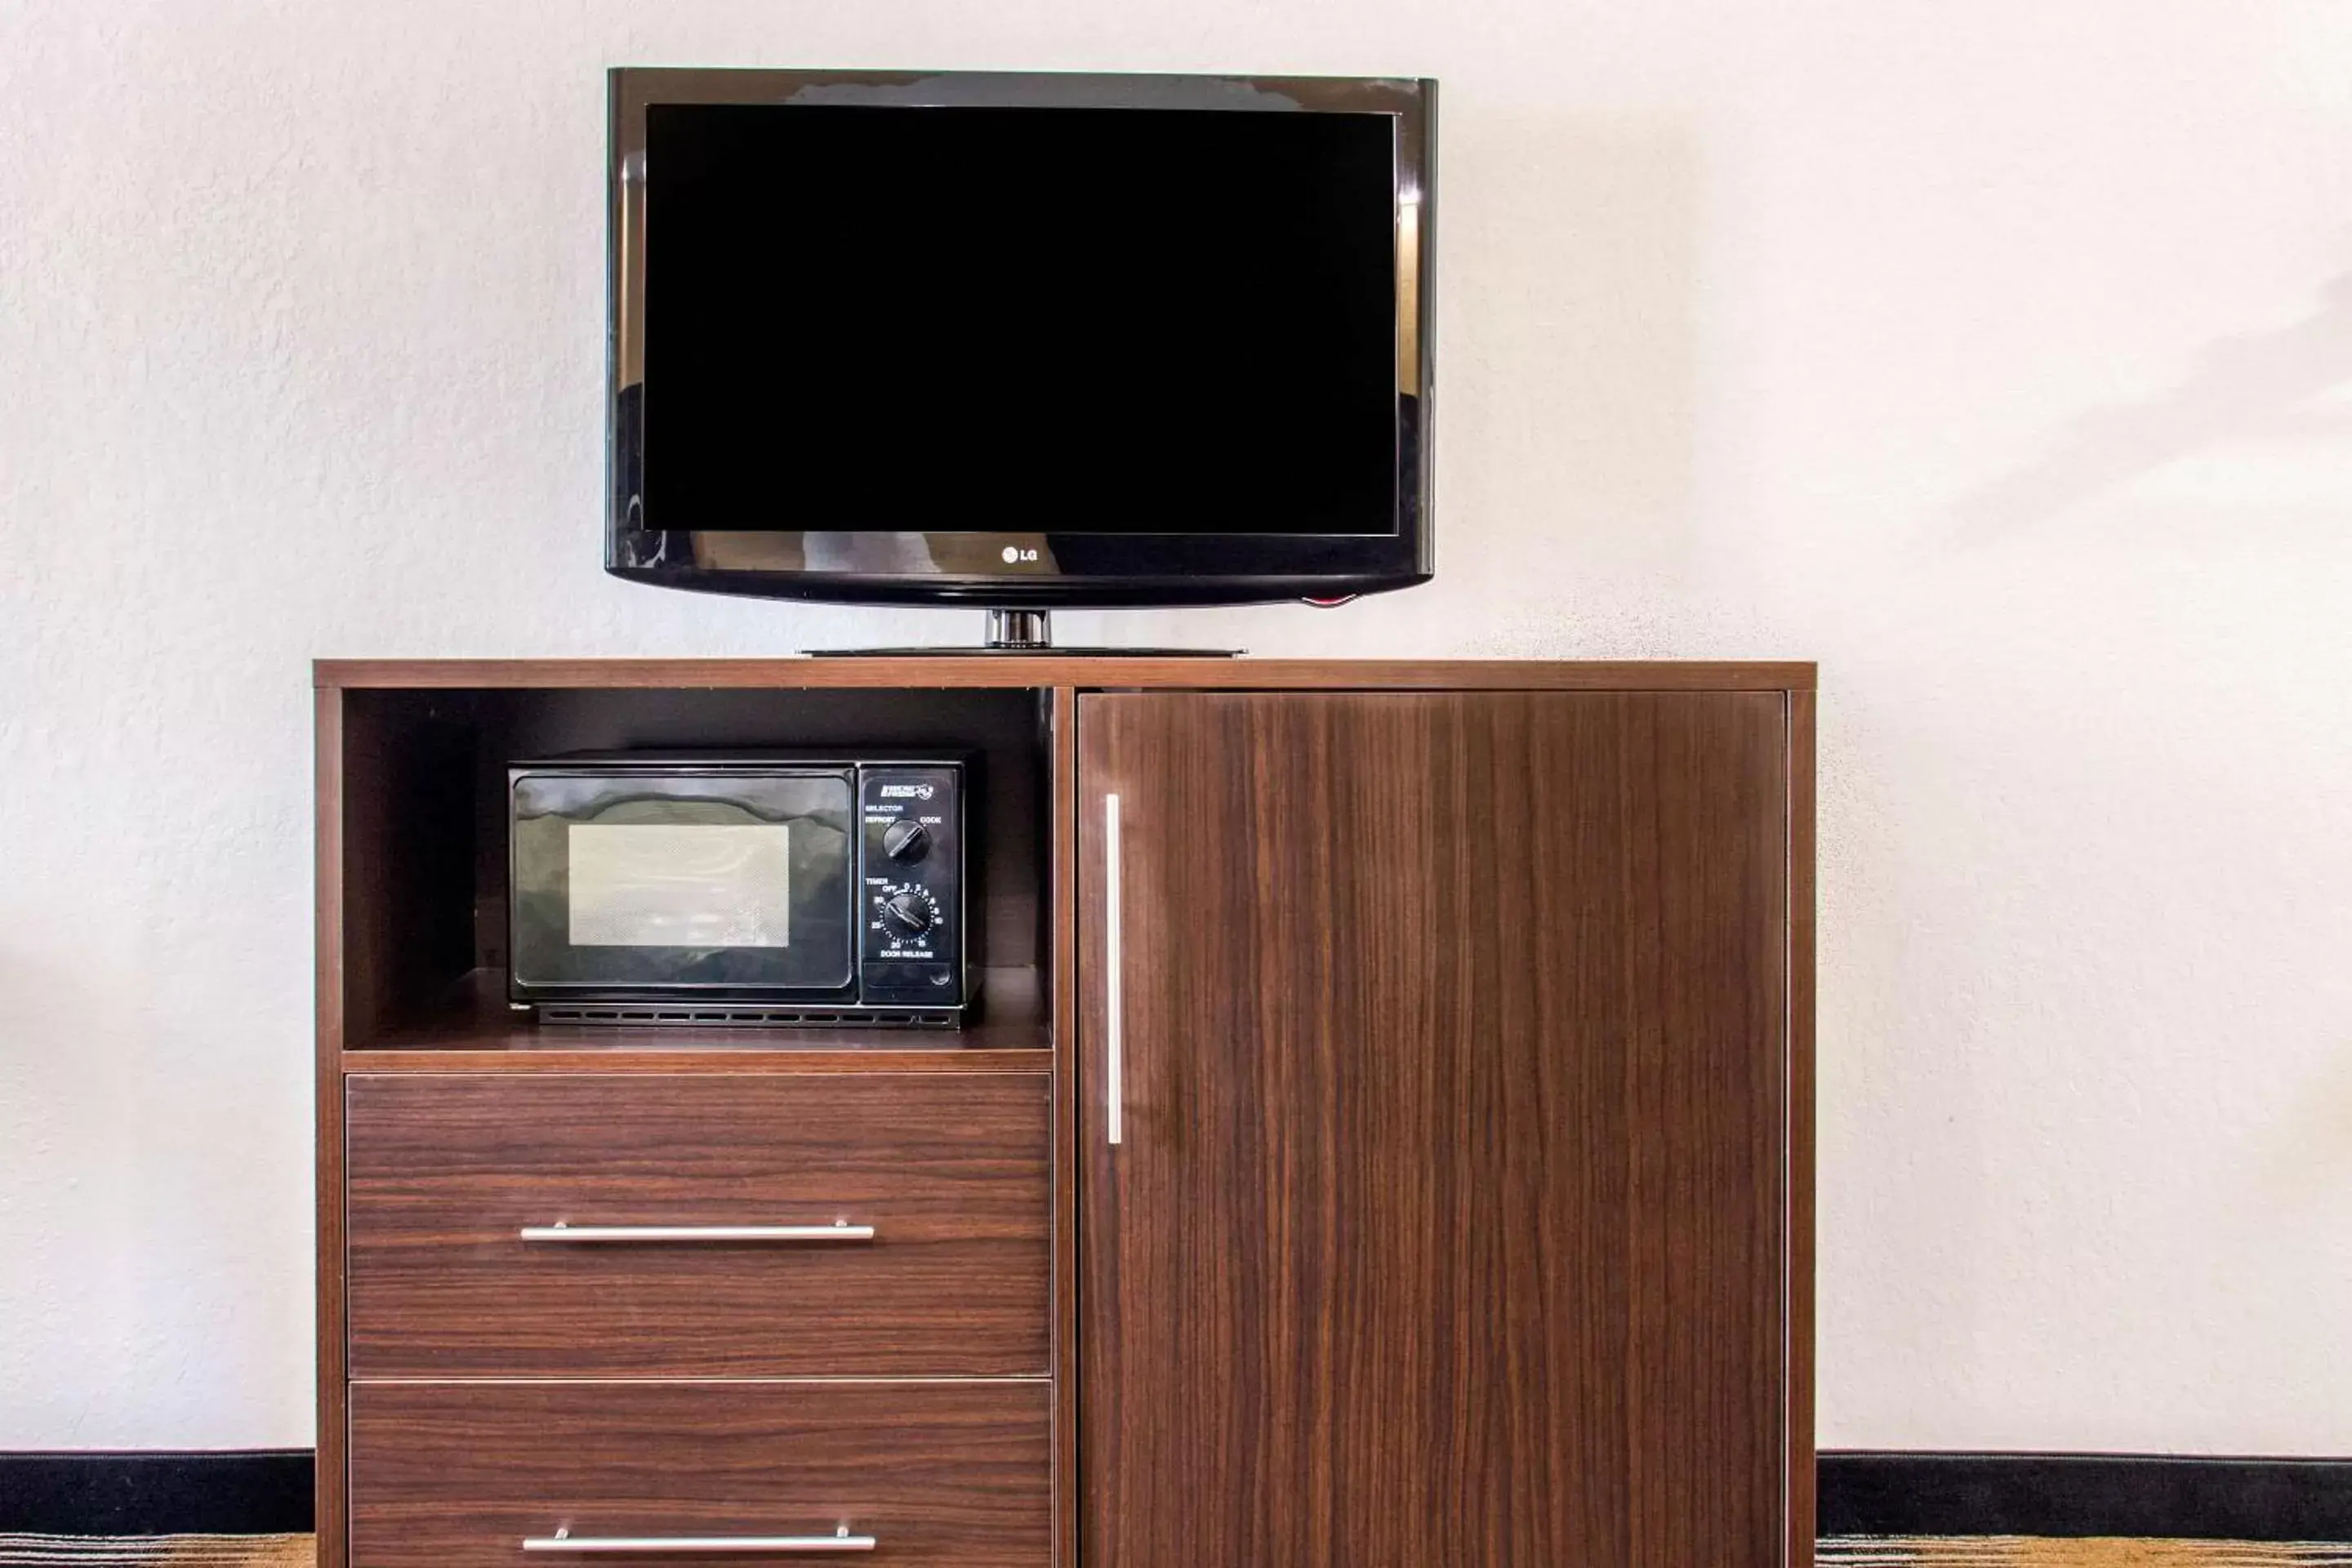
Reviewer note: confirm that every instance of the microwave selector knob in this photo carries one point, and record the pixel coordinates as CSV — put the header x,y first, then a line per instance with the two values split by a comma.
x,y
906,841
908,914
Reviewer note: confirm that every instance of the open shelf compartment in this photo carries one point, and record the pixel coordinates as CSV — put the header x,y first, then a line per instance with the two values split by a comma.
x,y
414,853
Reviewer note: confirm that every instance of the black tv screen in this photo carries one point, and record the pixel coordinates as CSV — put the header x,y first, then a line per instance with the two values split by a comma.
x,y
1019,339
1107,320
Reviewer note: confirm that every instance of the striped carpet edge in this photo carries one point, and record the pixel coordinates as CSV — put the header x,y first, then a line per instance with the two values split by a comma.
x,y
1842,1551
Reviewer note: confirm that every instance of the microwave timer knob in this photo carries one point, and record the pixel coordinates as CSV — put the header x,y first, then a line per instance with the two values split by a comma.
x,y
906,841
908,914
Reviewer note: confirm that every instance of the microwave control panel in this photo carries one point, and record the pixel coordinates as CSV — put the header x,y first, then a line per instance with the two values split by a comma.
x,y
910,885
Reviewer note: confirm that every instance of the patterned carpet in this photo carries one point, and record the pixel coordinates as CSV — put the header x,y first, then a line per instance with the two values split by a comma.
x,y
1846,1552
2016,1551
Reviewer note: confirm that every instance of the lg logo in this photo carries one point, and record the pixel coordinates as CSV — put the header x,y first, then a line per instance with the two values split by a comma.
x,y
1015,555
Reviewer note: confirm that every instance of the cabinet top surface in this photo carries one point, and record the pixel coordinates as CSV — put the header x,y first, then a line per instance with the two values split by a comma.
x,y
1072,669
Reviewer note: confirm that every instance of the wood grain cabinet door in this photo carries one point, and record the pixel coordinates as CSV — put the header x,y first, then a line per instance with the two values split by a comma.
x,y
1446,1221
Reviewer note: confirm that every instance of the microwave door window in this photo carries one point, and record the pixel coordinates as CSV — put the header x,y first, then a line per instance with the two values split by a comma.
x,y
680,884
721,883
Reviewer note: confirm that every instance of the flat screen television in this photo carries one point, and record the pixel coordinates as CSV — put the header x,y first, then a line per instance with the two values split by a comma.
x,y
1020,340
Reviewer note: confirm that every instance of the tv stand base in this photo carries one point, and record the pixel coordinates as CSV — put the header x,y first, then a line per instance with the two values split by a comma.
x,y
1021,631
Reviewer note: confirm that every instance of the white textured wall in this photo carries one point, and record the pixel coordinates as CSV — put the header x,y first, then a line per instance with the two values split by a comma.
x,y
1997,356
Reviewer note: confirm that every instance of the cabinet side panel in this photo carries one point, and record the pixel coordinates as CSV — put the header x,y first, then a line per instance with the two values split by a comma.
x,y
405,855
328,1091
1801,1473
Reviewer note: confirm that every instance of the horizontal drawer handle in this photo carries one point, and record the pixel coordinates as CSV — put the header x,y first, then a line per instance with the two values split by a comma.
x,y
645,1545
841,1230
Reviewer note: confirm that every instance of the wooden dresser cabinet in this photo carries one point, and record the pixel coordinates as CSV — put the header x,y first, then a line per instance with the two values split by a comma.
x,y
1386,1142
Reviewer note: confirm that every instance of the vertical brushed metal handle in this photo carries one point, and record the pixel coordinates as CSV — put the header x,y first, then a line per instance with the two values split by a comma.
x,y
1114,1061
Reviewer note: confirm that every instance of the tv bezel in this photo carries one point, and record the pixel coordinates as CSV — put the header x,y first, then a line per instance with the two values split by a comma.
x,y
1021,568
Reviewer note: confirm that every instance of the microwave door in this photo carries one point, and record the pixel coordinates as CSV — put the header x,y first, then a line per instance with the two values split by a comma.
x,y
726,886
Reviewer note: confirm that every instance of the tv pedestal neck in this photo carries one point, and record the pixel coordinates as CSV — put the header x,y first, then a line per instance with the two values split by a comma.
x,y
1021,631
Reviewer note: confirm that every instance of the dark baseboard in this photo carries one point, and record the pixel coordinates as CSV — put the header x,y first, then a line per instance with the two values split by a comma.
x,y
249,1492
2085,1494
268,1492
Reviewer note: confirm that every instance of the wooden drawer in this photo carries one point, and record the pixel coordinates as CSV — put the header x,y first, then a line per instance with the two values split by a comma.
x,y
458,1475
446,1171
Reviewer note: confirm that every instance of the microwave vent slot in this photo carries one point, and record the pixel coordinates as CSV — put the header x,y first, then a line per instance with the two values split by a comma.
x,y
743,1016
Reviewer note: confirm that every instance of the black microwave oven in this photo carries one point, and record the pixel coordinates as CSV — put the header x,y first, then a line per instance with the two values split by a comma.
x,y
739,889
